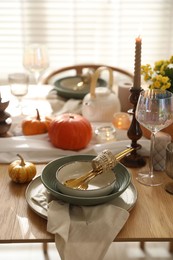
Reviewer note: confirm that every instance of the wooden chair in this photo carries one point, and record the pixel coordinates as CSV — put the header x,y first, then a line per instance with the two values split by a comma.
x,y
79,70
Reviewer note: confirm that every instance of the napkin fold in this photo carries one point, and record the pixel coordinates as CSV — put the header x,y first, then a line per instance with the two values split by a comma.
x,y
61,105
82,232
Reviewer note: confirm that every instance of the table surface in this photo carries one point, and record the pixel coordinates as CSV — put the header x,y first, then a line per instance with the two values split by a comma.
x,y
150,219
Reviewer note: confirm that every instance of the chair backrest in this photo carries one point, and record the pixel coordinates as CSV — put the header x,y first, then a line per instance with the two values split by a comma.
x,y
78,70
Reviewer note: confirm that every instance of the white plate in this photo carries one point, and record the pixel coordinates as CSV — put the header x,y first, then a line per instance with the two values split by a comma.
x,y
126,200
102,184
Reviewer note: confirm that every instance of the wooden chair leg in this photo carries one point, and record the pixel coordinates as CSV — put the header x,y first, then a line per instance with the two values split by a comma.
x,y
142,245
45,248
171,246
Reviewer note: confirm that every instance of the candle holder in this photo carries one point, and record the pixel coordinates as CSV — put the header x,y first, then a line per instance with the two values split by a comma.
x,y
134,133
105,133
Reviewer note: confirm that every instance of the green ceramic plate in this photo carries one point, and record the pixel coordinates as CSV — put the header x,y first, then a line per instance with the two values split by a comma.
x,y
67,87
48,178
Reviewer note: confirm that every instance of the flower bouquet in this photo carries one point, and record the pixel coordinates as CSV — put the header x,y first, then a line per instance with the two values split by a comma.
x,y
160,76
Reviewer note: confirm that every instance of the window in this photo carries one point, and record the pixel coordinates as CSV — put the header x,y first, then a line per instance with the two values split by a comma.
x,y
80,31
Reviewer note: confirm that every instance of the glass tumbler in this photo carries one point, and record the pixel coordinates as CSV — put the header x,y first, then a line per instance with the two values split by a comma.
x,y
169,167
19,86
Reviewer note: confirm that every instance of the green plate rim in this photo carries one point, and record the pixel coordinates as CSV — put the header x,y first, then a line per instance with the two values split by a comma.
x,y
81,200
70,93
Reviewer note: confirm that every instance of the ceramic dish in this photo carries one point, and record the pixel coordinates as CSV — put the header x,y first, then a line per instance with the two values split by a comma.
x,y
48,177
72,87
126,200
102,184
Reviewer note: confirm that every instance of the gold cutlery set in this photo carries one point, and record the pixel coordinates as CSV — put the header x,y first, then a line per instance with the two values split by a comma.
x,y
103,162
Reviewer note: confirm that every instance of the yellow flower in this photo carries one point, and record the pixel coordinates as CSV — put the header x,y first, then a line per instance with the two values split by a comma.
x,y
165,80
156,84
147,71
171,60
160,76
158,65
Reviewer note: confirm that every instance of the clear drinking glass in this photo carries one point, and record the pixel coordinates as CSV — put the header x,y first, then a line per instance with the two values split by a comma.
x,y
35,59
169,167
19,86
155,112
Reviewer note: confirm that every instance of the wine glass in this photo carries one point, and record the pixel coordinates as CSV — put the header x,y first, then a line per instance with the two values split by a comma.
x,y
19,86
35,59
154,111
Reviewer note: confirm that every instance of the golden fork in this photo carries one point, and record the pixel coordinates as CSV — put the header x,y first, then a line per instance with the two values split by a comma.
x,y
80,181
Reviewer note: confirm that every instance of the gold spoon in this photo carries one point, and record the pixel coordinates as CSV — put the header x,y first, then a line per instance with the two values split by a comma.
x,y
78,182
75,183
85,183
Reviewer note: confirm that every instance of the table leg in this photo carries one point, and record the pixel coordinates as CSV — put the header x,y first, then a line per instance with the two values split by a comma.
x,y
45,247
171,246
142,245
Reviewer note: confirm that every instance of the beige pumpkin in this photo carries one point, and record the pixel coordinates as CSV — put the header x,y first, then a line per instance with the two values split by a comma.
x,y
21,171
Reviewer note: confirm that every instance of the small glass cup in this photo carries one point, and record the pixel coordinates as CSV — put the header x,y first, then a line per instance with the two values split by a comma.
x,y
105,133
19,86
169,167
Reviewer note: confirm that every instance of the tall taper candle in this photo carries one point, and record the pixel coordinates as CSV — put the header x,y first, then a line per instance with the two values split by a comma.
x,y
137,69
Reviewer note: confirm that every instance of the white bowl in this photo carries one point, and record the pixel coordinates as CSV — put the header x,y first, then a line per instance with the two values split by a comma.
x,y
101,185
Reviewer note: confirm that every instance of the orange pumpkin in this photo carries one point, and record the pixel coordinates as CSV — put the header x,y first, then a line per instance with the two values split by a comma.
x,y
21,171
70,132
35,125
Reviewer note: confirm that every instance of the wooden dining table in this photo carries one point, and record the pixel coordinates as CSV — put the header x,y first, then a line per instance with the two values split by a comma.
x,y
149,220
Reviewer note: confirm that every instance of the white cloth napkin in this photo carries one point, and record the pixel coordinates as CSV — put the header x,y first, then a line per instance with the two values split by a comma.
x,y
33,148
83,232
39,149
60,105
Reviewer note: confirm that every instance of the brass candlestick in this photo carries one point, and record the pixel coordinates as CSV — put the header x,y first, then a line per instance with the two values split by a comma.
x,y
134,133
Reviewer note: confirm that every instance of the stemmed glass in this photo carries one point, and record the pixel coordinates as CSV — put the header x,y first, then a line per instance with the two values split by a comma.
x,y
35,59
19,86
155,112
